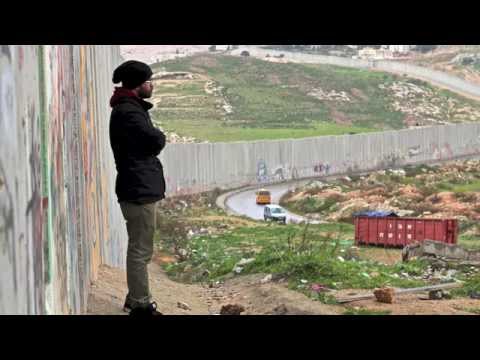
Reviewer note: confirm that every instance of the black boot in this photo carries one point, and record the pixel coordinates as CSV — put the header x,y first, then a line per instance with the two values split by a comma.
x,y
150,310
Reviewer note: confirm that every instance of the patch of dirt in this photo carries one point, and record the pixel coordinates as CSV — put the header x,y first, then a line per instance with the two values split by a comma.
x,y
447,203
108,294
378,191
205,61
410,192
412,305
270,298
340,118
161,258
384,256
359,94
274,79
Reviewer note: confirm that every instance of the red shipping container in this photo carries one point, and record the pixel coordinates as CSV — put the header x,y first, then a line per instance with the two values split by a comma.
x,y
399,232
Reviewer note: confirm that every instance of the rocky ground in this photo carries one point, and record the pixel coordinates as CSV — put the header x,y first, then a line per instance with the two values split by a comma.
x,y
175,298
256,296
447,191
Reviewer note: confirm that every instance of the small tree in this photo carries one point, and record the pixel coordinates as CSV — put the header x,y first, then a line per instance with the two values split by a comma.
x,y
245,53
212,48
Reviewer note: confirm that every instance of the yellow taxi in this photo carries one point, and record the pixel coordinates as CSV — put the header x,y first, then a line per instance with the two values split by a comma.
x,y
264,197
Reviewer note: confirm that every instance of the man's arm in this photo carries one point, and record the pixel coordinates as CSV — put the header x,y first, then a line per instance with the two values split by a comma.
x,y
151,138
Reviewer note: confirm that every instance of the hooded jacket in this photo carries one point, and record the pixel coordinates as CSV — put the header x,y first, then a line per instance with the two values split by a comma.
x,y
136,144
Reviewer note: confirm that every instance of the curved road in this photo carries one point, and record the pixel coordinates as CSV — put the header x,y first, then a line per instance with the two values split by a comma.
x,y
243,203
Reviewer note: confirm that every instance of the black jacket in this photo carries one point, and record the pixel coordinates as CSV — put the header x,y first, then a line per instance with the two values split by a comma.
x,y
136,144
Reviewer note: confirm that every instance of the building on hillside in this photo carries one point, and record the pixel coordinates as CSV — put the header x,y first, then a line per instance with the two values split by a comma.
x,y
402,49
223,47
375,54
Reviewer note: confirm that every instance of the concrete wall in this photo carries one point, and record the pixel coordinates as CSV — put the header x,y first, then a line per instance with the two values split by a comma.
x,y
58,214
191,168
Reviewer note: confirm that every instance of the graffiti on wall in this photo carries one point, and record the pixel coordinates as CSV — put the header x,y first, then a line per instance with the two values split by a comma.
x,y
35,207
278,173
8,128
55,205
415,151
322,168
262,171
472,147
440,152
8,141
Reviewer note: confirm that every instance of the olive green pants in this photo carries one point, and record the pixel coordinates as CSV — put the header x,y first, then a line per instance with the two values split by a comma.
x,y
141,228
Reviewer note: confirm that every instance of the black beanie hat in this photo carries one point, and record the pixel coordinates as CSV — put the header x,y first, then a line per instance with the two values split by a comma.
x,y
132,74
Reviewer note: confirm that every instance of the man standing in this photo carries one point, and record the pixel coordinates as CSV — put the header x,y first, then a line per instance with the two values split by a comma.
x,y
140,184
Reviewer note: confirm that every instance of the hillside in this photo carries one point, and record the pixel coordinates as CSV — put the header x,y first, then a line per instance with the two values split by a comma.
x,y
227,98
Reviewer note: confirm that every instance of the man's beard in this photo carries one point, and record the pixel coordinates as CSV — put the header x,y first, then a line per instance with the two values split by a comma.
x,y
145,95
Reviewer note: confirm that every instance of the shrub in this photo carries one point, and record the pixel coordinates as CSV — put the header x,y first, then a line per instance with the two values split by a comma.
x,y
427,190
172,231
444,186
423,207
467,197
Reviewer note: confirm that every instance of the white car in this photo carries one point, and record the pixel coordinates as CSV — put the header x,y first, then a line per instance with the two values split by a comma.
x,y
275,213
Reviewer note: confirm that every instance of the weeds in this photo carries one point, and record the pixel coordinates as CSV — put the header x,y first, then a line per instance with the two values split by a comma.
x,y
466,197
353,311
471,286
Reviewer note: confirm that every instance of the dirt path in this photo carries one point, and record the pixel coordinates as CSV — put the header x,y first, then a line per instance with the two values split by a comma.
x,y
108,293
412,304
272,298
107,296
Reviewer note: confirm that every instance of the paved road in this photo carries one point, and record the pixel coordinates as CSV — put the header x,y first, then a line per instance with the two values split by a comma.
x,y
244,203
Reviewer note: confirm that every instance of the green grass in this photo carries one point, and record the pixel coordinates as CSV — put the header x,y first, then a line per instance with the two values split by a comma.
x,y
469,241
303,255
309,205
217,132
471,187
366,312
472,284
473,310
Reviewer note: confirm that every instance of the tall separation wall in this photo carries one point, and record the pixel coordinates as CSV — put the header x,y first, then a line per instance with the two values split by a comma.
x,y
192,168
58,214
